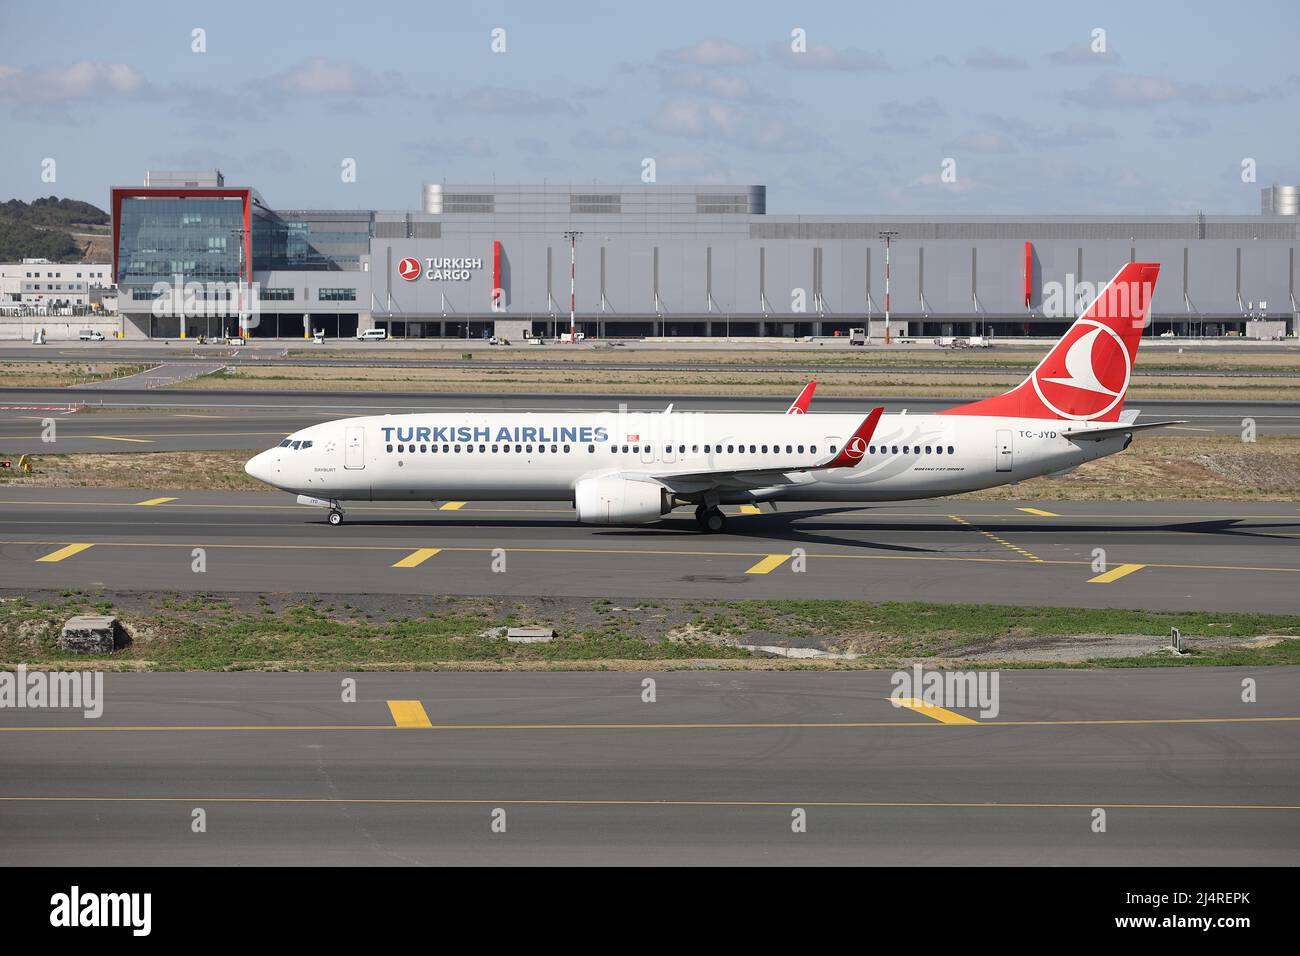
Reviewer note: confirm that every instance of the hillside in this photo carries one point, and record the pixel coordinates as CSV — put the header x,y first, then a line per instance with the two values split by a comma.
x,y
44,228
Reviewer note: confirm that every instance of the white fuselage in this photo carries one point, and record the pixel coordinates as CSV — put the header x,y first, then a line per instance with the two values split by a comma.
x,y
542,456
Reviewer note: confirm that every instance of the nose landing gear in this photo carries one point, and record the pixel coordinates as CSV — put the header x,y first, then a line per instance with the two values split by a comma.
x,y
336,516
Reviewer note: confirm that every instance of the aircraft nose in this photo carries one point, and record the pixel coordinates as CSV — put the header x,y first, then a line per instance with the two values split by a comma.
x,y
259,467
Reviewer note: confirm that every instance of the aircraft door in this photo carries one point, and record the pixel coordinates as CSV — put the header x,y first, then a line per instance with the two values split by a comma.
x,y
1004,453
354,447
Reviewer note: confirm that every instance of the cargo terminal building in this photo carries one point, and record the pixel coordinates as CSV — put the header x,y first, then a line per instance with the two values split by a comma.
x,y
665,261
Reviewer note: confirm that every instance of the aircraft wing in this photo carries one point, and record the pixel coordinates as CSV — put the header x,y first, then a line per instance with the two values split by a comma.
x,y
1110,431
777,474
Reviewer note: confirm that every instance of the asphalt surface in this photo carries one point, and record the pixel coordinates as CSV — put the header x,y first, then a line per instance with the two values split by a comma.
x,y
143,420
1214,556
712,772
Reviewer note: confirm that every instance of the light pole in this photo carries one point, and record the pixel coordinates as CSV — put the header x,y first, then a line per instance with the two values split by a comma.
x,y
239,234
888,235
572,236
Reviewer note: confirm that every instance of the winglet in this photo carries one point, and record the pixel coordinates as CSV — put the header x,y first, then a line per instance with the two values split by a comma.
x,y
800,405
856,446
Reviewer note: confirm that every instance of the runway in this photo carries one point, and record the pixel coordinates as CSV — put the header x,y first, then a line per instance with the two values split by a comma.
x,y
149,420
1214,556
581,770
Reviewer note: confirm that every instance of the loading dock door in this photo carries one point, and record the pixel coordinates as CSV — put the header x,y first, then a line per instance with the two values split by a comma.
x,y
1005,456
354,447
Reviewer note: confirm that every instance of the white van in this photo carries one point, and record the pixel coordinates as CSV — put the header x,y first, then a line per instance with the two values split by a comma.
x,y
90,335
372,335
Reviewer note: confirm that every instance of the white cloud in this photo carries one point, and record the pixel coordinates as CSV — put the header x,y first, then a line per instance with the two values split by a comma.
x,y
436,150
1132,90
506,101
616,138
317,76
823,56
711,53
726,86
931,185
74,81
1082,54
986,58
923,109
726,122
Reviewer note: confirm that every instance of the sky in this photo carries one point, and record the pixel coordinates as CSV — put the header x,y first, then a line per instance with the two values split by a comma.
x,y
838,107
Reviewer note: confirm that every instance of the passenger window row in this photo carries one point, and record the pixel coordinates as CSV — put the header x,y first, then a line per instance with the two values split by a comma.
x,y
482,449
636,449
910,450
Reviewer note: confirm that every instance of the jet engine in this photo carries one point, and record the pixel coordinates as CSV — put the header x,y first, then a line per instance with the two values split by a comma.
x,y
614,500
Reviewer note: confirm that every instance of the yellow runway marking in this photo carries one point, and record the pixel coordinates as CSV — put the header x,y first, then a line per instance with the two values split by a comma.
x,y
417,558
1115,573
416,509
929,710
1002,541
186,415
408,713
495,801
661,553
155,501
138,441
769,564
1040,512
846,725
65,552
750,510
452,506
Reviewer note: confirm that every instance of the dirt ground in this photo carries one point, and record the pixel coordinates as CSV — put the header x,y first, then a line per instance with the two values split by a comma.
x,y
959,383
58,374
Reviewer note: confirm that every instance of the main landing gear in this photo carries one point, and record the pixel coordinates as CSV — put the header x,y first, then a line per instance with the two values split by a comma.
x,y
710,518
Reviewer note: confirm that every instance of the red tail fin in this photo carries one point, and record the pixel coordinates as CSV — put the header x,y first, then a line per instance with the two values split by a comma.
x,y
1085,375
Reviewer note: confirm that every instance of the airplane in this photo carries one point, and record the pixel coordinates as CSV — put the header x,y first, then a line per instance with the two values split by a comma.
x,y
632,468
800,405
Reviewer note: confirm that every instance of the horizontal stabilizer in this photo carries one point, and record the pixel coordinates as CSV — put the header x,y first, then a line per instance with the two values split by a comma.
x,y
1097,434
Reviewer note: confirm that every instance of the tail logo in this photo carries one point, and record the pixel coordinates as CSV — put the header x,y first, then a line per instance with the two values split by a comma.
x,y
1086,375
857,448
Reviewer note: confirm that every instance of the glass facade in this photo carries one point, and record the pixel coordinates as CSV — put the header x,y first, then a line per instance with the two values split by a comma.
x,y
326,243
196,237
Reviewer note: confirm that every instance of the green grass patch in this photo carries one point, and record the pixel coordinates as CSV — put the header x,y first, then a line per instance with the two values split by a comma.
x,y
210,632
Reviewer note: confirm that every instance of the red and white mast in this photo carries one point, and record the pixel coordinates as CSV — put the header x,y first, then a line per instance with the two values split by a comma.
x,y
572,236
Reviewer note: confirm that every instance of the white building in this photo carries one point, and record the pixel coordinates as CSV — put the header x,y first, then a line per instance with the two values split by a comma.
x,y
41,283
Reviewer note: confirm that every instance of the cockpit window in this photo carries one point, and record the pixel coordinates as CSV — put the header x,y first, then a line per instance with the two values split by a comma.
x,y
295,445
285,443
306,444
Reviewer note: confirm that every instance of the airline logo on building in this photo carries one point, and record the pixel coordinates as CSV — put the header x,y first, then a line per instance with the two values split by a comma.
x,y
440,268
